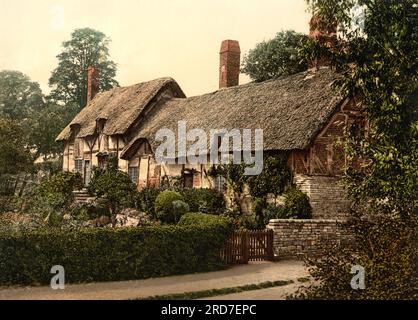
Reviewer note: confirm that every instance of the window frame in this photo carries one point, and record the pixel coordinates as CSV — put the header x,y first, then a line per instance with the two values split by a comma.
x,y
78,168
136,173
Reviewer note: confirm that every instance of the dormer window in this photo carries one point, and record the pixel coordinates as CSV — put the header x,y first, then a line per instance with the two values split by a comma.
x,y
100,123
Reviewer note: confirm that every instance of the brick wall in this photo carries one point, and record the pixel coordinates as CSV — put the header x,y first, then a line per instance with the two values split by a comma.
x,y
326,196
296,239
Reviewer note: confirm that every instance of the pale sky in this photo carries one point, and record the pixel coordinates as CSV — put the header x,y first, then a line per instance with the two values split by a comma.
x,y
150,38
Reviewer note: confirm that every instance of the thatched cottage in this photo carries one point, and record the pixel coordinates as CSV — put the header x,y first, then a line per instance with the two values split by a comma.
x,y
301,115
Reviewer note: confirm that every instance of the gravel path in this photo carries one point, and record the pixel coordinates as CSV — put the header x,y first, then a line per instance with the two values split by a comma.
x,y
252,273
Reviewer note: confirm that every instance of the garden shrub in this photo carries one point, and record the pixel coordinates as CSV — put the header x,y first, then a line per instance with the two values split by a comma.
x,y
274,212
81,211
55,218
296,204
249,222
385,246
99,254
115,186
203,200
57,191
145,199
164,207
258,205
179,209
199,200
7,203
198,218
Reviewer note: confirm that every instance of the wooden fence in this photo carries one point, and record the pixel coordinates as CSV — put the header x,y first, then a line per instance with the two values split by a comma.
x,y
244,246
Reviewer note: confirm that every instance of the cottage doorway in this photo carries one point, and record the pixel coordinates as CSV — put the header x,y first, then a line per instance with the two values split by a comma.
x,y
87,172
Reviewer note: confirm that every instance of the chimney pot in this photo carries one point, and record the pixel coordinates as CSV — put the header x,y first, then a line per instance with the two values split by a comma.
x,y
229,66
93,83
325,35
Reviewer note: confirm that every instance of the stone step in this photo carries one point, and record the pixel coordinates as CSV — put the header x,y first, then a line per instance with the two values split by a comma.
x,y
82,196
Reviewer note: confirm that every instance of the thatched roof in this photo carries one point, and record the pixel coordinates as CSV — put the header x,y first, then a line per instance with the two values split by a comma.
x,y
120,107
291,110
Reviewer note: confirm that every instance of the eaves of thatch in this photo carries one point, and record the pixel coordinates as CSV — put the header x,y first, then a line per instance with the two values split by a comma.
x,y
118,108
291,111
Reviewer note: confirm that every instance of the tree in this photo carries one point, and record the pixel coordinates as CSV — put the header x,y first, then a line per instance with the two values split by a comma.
x,y
46,125
57,191
274,178
87,47
276,57
14,154
40,120
377,55
115,186
19,96
236,179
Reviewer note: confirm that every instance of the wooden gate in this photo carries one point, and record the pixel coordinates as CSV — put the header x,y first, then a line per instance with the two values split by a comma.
x,y
244,246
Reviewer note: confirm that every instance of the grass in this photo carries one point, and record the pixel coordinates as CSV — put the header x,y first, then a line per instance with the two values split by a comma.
x,y
218,292
304,279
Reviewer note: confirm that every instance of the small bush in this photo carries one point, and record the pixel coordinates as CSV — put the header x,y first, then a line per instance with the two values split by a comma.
x,y
179,209
203,200
204,219
111,254
164,207
7,203
55,218
80,211
145,199
258,205
57,191
274,212
249,222
115,186
296,204
199,200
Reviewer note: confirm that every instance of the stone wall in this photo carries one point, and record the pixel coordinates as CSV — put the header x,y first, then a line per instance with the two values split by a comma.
x,y
326,196
296,239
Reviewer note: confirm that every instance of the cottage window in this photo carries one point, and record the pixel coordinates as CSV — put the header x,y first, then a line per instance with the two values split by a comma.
x,y
188,180
77,148
78,165
133,173
220,184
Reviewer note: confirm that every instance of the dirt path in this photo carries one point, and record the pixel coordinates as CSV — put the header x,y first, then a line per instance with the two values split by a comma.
x,y
255,272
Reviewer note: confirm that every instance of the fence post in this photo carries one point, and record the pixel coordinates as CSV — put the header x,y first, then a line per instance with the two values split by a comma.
x,y
270,243
245,246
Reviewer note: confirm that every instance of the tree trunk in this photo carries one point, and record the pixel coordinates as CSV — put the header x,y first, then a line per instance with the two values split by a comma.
x,y
112,210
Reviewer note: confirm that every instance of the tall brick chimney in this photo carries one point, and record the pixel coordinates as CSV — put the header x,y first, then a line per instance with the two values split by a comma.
x,y
326,35
93,82
229,65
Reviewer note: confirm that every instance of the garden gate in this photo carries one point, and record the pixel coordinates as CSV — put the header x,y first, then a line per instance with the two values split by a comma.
x,y
244,246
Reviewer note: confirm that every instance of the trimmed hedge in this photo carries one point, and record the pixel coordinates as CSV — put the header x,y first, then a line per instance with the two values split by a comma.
x,y
203,219
111,254
204,200
199,200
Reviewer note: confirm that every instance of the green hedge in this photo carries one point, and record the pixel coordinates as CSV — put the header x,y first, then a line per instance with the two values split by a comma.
x,y
199,200
203,219
111,254
203,200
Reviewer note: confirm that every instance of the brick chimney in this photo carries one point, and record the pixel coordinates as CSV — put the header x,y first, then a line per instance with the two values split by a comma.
x,y
229,66
326,35
92,82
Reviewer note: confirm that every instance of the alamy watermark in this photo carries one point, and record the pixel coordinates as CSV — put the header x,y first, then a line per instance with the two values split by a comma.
x,y
220,146
58,17
358,281
58,280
